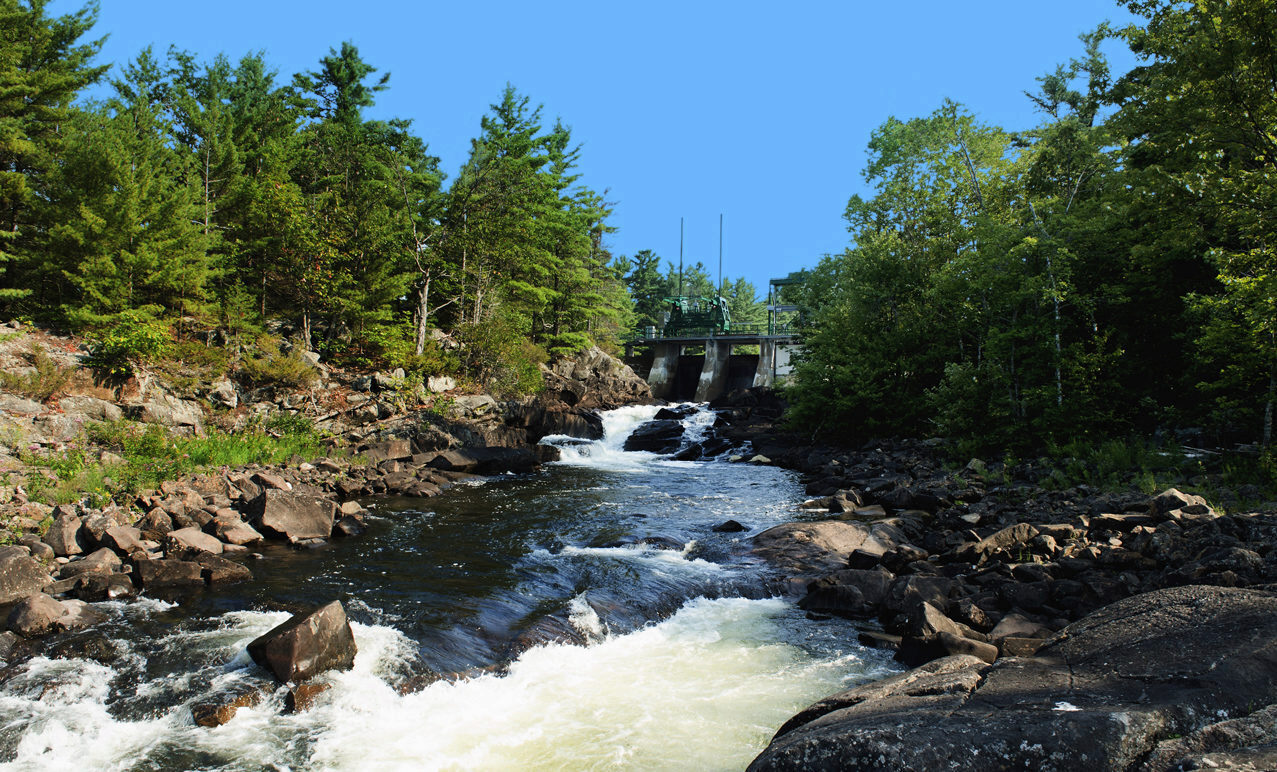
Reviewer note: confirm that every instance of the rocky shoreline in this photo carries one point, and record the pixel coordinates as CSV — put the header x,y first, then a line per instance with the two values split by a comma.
x,y
202,531
1071,629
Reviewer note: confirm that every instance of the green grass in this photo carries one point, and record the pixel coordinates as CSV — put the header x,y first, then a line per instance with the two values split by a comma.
x,y
1123,465
151,455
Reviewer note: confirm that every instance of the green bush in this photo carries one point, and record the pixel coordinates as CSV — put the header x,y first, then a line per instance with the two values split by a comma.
x,y
497,355
271,368
132,337
48,380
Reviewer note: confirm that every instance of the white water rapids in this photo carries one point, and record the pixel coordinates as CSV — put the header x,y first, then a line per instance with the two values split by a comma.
x,y
702,689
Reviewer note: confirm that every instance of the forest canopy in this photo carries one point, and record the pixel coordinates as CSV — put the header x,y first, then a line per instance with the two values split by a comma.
x,y
1107,272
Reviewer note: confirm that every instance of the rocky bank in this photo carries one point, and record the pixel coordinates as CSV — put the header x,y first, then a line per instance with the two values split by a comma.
x,y
1071,629
203,531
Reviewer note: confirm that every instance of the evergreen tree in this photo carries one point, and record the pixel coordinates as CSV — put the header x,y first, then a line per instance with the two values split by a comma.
x,y
126,236
647,287
44,64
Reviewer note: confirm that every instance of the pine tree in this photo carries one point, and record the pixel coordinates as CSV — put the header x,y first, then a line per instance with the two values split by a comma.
x,y
44,64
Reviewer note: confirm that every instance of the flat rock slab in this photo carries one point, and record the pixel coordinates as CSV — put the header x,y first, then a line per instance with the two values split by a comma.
x,y
307,645
815,549
1102,695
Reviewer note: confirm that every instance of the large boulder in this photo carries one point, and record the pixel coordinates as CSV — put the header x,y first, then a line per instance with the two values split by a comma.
x,y
663,436
167,410
40,614
91,407
292,516
812,549
192,539
307,645
592,378
1104,694
170,574
64,536
20,575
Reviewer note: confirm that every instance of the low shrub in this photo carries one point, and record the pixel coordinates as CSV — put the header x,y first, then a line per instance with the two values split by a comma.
x,y
272,368
131,338
47,381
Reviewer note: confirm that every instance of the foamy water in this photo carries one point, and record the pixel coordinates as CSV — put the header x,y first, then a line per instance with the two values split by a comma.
x,y
702,687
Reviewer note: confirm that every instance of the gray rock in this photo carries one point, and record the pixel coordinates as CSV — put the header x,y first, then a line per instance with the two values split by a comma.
x,y
232,530
170,574
124,539
193,538
20,575
12,403
1102,695
307,645
441,383
807,549
100,561
64,536
225,394
91,407
40,614
292,516
167,410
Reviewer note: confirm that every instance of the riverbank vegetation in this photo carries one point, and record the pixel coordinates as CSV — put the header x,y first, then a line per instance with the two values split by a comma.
x,y
1105,274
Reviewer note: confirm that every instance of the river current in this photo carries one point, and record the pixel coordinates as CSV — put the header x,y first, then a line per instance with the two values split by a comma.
x,y
585,617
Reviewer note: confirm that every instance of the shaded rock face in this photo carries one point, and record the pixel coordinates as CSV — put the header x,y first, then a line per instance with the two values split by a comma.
x,y
593,379
1147,677
306,645
20,575
663,436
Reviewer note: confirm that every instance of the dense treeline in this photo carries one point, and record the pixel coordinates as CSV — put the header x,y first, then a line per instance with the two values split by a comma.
x,y
1110,271
213,200
216,196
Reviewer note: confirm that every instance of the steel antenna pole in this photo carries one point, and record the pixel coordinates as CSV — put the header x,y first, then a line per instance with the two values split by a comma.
x,y
680,257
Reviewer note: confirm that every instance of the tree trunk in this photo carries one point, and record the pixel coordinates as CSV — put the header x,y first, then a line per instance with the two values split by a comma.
x,y
1268,405
423,311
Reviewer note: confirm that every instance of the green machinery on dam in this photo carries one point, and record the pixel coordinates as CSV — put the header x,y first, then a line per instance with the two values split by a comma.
x,y
704,323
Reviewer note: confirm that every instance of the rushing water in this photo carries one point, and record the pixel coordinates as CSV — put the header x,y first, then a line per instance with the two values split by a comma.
x,y
587,617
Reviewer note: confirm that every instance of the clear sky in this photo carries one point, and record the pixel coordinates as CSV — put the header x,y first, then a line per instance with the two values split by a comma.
x,y
756,111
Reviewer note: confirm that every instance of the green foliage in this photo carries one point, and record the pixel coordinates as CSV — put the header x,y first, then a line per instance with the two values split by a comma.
x,y
498,357
42,385
129,339
151,455
269,367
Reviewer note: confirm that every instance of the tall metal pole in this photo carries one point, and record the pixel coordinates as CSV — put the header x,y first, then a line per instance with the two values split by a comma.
x,y
680,257
720,253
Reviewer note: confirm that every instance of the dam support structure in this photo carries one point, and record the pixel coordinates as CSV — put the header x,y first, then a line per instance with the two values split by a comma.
x,y
677,376
713,381
664,369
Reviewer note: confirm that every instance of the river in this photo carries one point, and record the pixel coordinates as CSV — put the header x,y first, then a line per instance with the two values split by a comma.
x,y
585,617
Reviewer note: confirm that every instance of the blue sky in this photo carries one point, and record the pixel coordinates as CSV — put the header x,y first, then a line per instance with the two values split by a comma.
x,y
751,110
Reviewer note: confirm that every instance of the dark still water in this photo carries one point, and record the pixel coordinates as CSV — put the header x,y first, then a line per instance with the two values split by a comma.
x,y
587,617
